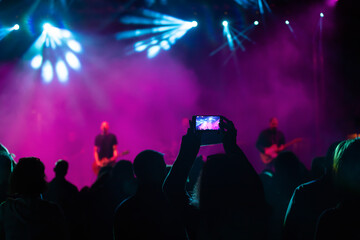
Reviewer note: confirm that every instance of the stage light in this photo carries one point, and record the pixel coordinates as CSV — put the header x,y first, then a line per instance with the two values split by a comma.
x,y
66,33
225,23
260,5
16,27
47,26
166,33
256,23
58,43
73,61
234,38
4,31
165,45
36,61
321,15
194,23
139,46
47,71
153,51
62,71
290,28
74,45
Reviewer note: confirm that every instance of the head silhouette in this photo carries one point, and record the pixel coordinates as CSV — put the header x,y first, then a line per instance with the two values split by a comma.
x,y
225,181
347,166
6,164
286,161
28,177
123,170
61,168
150,167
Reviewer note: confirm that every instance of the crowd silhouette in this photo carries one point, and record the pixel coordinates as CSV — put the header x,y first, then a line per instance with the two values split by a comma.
x,y
213,198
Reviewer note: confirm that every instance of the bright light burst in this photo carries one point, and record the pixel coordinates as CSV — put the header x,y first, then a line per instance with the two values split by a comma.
x,y
53,52
164,31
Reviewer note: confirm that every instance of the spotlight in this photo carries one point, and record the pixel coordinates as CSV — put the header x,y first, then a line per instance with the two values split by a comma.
x,y
194,23
321,15
256,23
225,23
287,22
47,26
16,27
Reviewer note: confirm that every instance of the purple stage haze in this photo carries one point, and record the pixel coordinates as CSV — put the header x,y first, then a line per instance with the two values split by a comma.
x,y
145,101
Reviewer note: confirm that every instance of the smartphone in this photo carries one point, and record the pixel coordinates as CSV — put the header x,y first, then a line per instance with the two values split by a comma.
x,y
209,128
207,123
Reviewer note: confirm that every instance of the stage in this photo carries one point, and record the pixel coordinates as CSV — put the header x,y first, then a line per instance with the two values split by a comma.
x,y
147,91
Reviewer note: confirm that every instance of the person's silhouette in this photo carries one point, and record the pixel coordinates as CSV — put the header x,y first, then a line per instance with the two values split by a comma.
x,y
148,214
6,165
229,201
342,222
66,195
27,216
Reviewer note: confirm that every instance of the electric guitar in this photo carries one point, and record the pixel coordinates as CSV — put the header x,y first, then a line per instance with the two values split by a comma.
x,y
273,151
106,162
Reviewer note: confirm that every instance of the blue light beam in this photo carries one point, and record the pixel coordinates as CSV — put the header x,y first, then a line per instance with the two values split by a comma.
x,y
233,36
260,5
5,31
166,31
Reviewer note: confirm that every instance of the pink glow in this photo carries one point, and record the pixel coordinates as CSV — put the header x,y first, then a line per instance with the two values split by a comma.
x,y
331,3
147,102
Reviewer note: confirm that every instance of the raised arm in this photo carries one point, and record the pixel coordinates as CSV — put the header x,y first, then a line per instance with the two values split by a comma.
x,y
176,180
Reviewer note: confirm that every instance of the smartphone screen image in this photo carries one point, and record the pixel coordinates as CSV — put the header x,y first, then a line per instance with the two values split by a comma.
x,y
207,122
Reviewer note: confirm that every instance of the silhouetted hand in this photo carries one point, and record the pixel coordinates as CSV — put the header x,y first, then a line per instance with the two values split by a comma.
x,y
190,144
230,132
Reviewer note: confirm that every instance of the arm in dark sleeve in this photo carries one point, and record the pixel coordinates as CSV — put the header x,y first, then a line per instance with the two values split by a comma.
x,y
175,181
290,221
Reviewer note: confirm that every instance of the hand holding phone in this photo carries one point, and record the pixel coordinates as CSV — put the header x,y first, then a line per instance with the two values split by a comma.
x,y
209,128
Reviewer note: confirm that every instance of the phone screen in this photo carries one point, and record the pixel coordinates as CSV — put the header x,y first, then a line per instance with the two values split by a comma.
x,y
207,122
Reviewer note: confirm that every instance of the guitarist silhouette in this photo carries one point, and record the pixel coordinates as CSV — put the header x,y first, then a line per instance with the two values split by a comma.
x,y
270,142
